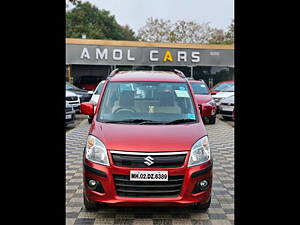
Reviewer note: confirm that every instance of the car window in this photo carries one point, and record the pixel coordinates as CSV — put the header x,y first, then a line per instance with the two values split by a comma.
x,y
99,88
155,101
229,89
199,88
68,87
222,86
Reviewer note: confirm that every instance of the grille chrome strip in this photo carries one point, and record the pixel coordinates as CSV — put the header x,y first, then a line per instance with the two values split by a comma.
x,y
149,153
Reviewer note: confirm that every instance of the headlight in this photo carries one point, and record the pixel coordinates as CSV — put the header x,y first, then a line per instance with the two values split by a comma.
x,y
96,151
200,152
212,102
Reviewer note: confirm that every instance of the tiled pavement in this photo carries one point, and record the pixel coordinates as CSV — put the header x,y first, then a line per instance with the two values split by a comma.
x,y
221,211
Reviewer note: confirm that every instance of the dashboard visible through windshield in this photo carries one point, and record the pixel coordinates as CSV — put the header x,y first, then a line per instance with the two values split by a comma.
x,y
147,103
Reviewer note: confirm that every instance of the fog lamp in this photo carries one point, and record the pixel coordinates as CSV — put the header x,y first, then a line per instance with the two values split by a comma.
x,y
92,184
203,184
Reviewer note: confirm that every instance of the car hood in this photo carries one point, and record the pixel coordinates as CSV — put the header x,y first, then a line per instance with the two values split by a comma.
x,y
203,99
69,93
228,100
223,94
79,92
148,138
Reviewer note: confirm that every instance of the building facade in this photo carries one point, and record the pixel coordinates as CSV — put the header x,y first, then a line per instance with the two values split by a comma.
x,y
86,57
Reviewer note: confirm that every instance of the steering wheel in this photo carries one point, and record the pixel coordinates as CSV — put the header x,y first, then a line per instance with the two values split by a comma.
x,y
125,110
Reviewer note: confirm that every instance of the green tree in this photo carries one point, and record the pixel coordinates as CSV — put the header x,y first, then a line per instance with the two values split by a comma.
x,y
230,32
87,19
159,30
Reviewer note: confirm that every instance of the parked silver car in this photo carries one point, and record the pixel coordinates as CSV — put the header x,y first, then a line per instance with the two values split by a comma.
x,y
73,100
227,108
70,114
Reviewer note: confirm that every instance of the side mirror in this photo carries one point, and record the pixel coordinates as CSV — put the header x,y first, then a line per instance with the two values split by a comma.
x,y
90,92
87,109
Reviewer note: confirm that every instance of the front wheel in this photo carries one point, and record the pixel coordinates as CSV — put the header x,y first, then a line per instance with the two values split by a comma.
x,y
202,207
227,118
90,119
212,119
89,206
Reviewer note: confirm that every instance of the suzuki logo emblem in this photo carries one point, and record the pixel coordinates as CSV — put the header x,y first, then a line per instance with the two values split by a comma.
x,y
148,161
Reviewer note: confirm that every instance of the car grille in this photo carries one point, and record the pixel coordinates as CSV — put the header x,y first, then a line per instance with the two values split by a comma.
x,y
230,104
72,98
69,109
157,161
85,98
126,188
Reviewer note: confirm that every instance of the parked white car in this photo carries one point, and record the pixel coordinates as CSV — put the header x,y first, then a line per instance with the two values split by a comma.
x,y
227,92
227,108
95,97
73,100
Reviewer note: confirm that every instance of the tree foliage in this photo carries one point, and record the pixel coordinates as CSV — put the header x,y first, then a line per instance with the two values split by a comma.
x,y
87,19
219,36
159,30
156,30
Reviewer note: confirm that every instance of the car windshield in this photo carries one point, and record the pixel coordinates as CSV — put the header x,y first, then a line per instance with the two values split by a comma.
x,y
199,88
222,86
99,89
229,89
147,102
71,87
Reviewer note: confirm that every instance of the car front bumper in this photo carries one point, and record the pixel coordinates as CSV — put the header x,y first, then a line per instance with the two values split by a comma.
x,y
104,175
70,117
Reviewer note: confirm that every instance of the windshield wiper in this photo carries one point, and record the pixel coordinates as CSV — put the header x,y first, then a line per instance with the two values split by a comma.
x,y
137,121
180,121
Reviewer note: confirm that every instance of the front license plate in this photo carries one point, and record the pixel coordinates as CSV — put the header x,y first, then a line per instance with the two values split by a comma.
x,y
148,175
68,116
227,108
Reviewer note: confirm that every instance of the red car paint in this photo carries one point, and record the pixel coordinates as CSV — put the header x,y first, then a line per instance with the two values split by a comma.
x,y
213,91
146,138
202,100
90,87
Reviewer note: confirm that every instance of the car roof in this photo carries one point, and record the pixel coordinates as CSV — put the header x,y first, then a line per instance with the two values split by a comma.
x,y
194,81
227,81
147,75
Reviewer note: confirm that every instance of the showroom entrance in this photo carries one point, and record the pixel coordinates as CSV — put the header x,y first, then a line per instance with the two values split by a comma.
x,y
87,59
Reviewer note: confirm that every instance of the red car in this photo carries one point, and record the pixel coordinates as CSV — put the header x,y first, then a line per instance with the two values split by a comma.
x,y
205,102
220,86
89,82
147,144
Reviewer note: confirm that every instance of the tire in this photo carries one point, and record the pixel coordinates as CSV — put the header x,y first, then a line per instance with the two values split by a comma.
x,y
212,119
205,120
227,118
202,207
90,206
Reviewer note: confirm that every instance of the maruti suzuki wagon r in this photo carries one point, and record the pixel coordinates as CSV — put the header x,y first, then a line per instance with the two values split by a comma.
x,y
147,145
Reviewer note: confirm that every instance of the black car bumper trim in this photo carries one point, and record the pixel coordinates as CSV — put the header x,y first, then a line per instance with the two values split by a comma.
x,y
200,172
95,171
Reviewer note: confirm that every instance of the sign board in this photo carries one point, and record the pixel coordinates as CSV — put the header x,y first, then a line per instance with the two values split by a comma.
x,y
151,56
